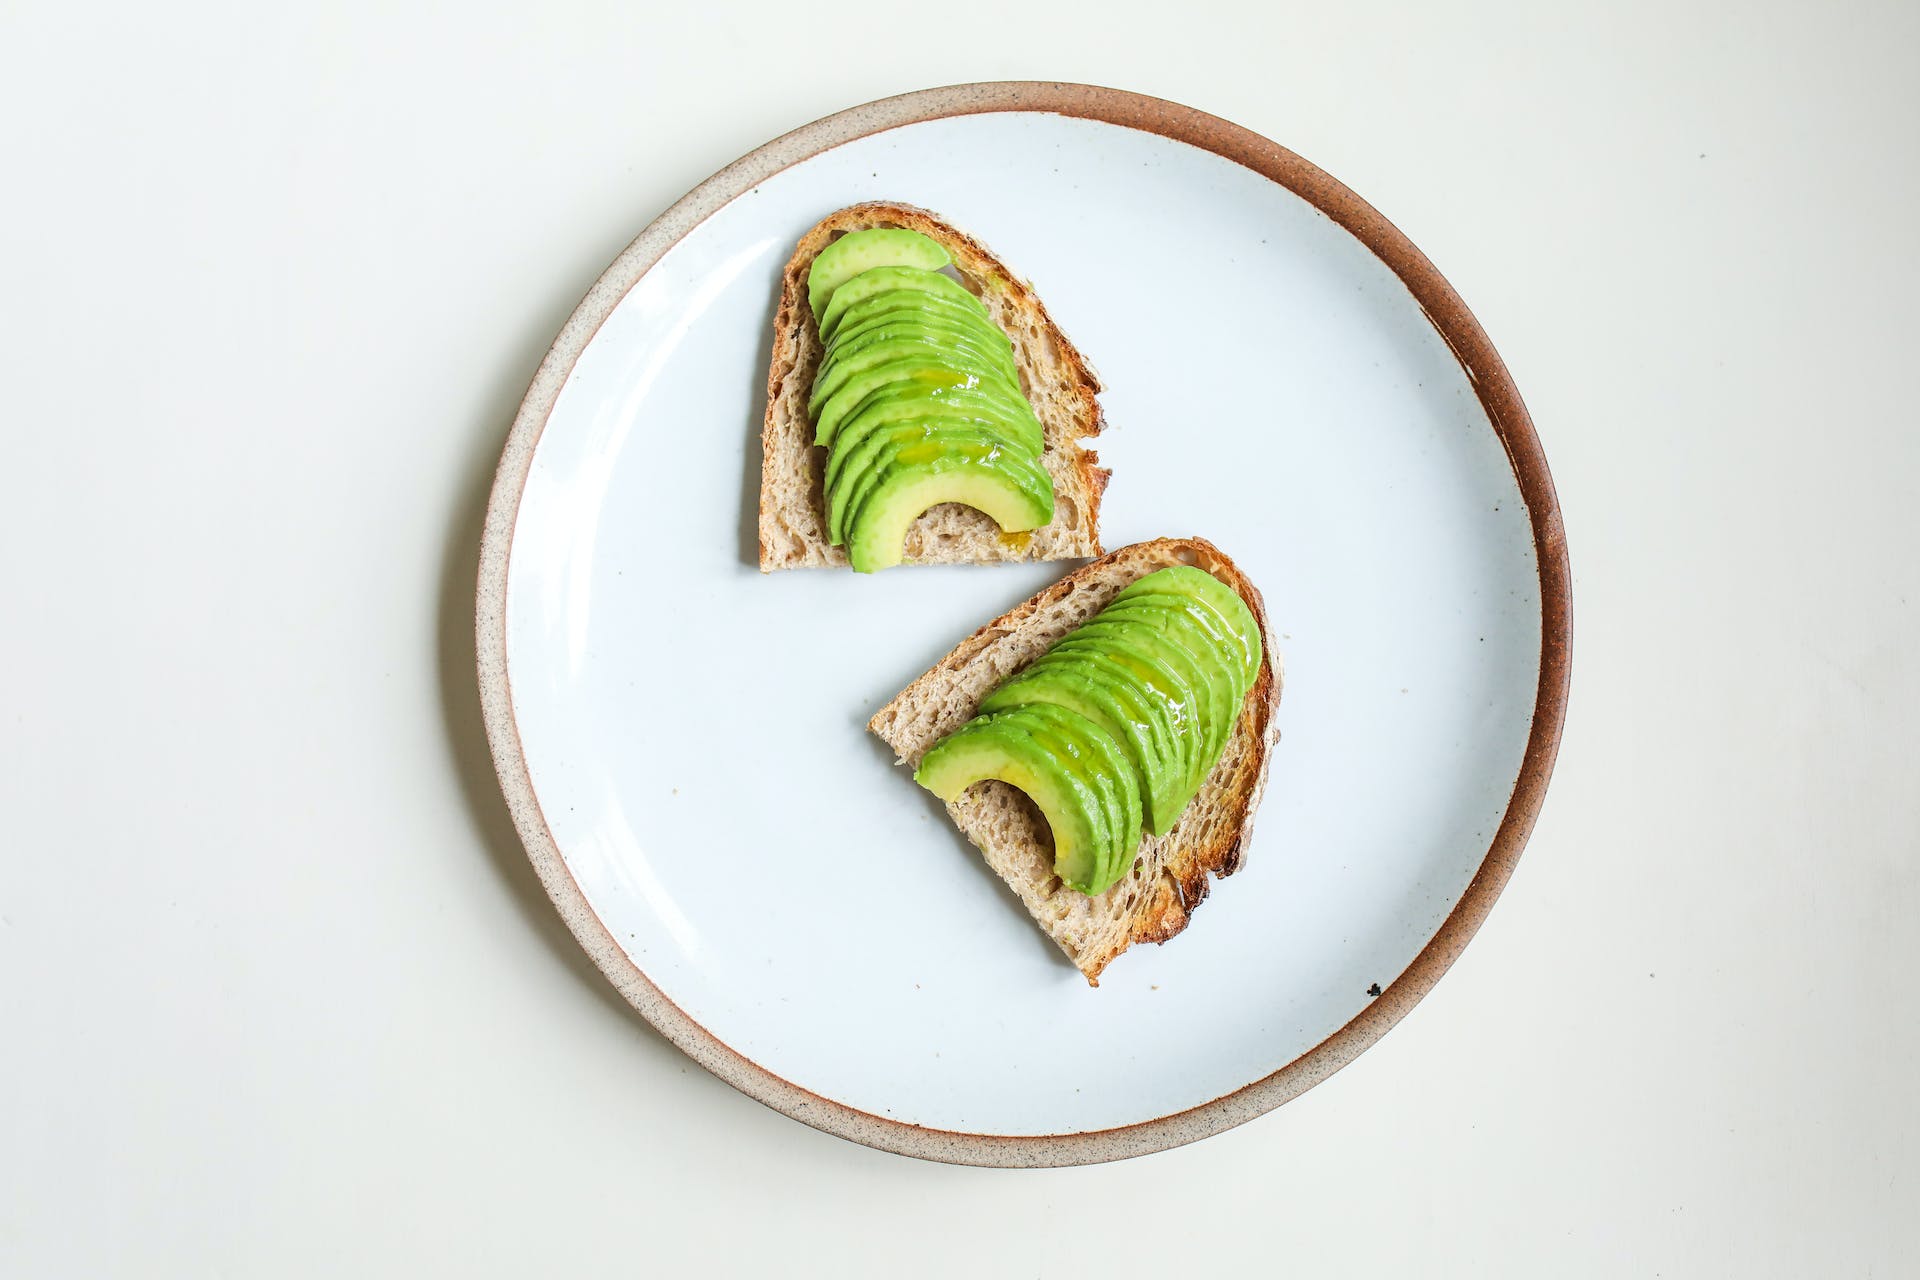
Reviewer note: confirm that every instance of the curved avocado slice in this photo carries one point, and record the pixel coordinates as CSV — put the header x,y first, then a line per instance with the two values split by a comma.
x,y
1111,704
1014,491
892,280
916,304
982,340
1146,723
1102,762
1225,692
998,747
866,465
1226,604
1211,684
965,350
857,464
1199,626
1163,685
838,370
1150,713
912,396
913,341
961,408
921,375
860,251
859,440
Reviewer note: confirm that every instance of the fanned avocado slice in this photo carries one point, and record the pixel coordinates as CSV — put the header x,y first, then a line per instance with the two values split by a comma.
x,y
1209,680
1167,685
920,374
862,251
1230,690
1013,490
999,747
1148,693
863,461
952,347
1225,603
914,304
1202,630
979,342
830,380
1104,764
1113,704
856,436
909,341
961,408
892,280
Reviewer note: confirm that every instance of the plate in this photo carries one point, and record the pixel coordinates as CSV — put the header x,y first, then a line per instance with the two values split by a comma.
x,y
681,738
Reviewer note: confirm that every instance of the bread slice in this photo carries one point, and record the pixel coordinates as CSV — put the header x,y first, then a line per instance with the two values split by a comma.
x,y
1055,376
1169,877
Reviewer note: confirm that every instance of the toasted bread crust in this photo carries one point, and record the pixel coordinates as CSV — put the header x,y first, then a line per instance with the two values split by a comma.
x,y
1212,835
1061,383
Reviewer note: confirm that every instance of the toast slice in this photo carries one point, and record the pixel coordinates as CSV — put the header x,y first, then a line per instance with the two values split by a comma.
x,y
1169,878
1054,375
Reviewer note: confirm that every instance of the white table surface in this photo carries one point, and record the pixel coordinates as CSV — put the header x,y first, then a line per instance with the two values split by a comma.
x,y
279,994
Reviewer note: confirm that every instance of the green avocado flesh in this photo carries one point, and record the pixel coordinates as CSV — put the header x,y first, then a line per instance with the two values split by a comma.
x,y
859,251
1223,601
971,319
988,348
854,448
1002,748
1134,706
916,398
960,408
1116,708
907,479
890,282
890,347
920,383
867,459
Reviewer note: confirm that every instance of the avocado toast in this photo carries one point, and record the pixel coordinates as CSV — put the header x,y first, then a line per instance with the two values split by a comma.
x,y
795,525
1153,899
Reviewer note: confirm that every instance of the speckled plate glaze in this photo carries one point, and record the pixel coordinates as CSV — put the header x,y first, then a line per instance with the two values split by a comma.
x,y
680,738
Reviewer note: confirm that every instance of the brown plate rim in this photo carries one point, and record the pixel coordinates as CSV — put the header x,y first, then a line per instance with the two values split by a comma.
x,y
1449,315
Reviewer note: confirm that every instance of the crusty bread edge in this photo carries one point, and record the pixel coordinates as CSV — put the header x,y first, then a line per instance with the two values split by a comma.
x,y
794,314
1164,914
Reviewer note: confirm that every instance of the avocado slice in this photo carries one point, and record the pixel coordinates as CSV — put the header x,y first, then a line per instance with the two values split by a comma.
x,y
1014,491
1138,660
1225,603
953,347
981,339
856,440
969,315
859,251
912,342
999,747
1111,704
960,408
1210,682
892,280
1147,719
1103,763
919,375
911,444
1203,631
989,402
1158,717
857,464
1226,691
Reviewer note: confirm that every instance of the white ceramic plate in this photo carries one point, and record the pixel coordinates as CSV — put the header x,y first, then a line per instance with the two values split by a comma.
x,y
681,738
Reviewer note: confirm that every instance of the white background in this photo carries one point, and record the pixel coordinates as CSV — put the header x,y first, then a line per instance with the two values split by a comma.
x,y
279,994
